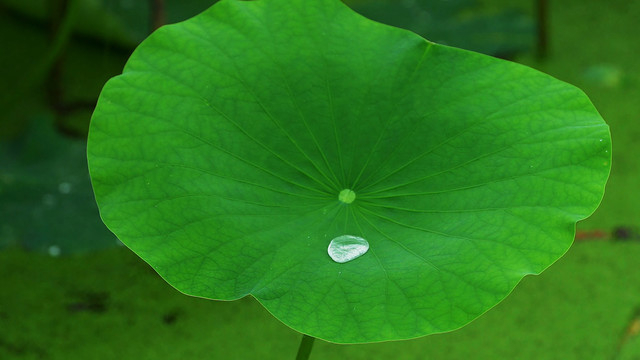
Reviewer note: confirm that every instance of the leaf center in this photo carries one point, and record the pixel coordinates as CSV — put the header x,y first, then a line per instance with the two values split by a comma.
x,y
347,196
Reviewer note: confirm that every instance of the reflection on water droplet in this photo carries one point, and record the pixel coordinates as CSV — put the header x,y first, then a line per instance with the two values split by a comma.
x,y
345,248
54,250
64,188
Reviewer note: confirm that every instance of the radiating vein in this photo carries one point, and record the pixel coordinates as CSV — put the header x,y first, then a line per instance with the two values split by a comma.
x,y
198,137
400,244
264,109
470,161
295,103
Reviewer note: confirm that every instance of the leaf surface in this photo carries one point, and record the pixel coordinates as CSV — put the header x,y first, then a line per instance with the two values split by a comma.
x,y
219,156
46,202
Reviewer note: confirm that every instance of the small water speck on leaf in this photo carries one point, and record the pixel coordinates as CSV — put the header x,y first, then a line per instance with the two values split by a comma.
x,y
54,250
64,188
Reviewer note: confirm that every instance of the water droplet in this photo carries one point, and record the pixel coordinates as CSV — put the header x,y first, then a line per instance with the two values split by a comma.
x,y
64,188
54,250
345,248
347,196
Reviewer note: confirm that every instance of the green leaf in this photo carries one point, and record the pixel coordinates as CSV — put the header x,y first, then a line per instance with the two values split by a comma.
x,y
46,202
459,23
222,154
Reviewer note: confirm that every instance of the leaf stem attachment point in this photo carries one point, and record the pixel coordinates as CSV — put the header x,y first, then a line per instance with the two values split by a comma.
x,y
347,196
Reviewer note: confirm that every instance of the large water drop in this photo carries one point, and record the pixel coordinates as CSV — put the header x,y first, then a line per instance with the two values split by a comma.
x,y
345,248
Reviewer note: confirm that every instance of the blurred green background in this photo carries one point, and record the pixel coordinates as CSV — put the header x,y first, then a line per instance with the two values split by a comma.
x,y
70,291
